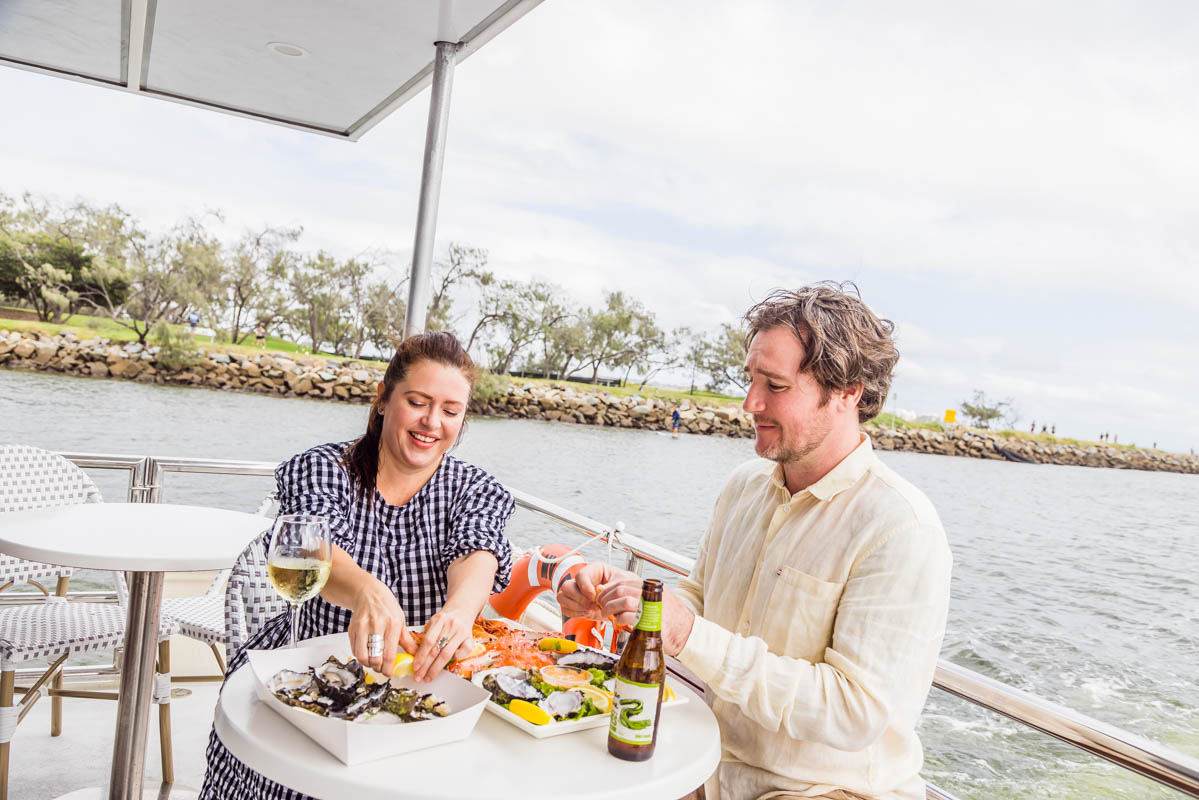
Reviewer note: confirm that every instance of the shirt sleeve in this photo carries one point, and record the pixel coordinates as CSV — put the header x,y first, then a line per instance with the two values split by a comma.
x,y
886,639
315,482
479,518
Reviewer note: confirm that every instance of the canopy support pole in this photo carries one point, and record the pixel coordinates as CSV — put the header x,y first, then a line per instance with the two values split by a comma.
x,y
430,187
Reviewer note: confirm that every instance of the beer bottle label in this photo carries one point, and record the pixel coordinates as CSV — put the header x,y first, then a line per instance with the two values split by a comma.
x,y
651,616
633,709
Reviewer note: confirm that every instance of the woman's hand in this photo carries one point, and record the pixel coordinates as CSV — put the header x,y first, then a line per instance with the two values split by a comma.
x,y
376,611
447,635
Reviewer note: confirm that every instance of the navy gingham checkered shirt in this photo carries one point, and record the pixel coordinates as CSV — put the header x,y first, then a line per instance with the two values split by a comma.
x,y
459,511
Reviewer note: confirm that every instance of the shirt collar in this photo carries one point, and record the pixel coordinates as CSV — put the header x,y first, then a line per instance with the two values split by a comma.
x,y
839,478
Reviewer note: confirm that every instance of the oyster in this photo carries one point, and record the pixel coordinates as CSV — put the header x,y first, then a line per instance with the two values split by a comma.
x,y
562,705
589,659
339,681
285,680
517,685
364,703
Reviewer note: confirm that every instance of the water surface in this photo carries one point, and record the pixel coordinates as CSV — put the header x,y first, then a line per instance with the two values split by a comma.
x,y
1076,584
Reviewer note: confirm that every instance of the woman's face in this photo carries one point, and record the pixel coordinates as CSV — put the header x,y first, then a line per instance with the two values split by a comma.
x,y
424,415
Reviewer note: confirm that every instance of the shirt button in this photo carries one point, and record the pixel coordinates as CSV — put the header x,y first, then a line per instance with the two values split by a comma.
x,y
779,571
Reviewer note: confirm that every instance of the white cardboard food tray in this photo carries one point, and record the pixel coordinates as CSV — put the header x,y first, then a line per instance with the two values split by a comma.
x,y
354,742
557,728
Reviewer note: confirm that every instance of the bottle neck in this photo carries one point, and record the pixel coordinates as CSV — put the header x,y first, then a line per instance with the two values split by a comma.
x,y
651,616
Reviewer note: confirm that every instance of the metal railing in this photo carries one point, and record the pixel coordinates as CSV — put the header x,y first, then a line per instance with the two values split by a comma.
x,y
1150,759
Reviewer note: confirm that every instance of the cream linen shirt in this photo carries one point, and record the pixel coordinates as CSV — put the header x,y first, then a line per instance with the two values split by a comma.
x,y
820,620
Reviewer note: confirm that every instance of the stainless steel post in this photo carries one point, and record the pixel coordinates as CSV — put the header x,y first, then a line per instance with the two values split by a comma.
x,y
137,686
430,187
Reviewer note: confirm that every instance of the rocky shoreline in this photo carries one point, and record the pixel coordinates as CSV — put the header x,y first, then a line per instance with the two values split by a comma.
x,y
354,381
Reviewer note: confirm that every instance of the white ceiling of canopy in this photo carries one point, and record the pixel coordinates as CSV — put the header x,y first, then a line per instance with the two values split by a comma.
x,y
361,59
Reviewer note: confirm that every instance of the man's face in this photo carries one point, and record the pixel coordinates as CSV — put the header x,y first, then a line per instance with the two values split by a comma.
x,y
789,417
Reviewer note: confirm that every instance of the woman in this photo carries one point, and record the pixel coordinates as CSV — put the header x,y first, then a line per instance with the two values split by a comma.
x,y
418,534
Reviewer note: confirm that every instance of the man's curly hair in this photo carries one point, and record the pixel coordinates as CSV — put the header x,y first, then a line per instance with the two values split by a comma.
x,y
845,343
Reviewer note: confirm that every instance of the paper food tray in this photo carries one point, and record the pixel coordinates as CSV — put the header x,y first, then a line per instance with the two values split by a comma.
x,y
355,742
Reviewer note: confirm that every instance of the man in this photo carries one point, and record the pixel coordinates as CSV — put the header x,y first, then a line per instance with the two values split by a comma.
x,y
815,610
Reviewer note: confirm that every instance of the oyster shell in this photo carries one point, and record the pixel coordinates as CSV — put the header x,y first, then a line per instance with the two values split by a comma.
x,y
520,687
285,680
589,659
339,681
561,705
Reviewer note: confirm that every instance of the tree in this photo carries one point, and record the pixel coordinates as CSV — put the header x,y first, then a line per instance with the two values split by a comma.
x,y
40,269
520,309
647,346
723,358
673,354
317,305
463,265
47,254
613,331
982,411
251,272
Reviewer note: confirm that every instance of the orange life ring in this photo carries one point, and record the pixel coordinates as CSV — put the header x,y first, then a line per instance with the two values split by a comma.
x,y
544,570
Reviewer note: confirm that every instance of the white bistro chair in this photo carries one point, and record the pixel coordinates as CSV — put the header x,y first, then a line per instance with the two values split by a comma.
x,y
50,628
250,600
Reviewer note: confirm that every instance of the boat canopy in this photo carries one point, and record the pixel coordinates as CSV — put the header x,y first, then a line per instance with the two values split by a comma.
x,y
335,68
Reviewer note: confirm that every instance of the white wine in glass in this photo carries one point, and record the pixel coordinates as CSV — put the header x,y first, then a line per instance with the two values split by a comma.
x,y
299,561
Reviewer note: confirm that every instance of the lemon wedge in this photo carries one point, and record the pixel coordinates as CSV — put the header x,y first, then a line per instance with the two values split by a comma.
x,y
667,694
599,698
557,645
403,665
529,712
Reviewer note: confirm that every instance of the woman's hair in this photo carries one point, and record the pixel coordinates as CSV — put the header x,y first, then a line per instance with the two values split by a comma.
x,y
845,343
361,459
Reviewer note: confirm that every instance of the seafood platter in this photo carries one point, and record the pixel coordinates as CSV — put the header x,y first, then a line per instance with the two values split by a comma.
x,y
357,714
541,683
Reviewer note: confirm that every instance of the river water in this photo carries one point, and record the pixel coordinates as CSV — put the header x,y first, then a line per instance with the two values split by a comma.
x,y
1079,585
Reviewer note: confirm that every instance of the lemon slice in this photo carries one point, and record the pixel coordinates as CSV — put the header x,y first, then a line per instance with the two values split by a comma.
x,y
529,712
403,665
667,694
599,698
557,645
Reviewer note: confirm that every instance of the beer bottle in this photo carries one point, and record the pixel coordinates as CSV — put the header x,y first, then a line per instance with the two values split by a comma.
x,y
640,681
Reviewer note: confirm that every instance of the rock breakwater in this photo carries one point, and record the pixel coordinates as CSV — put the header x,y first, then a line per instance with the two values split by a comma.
x,y
355,381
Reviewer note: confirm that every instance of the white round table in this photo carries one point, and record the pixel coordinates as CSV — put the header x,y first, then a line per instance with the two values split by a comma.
x,y
497,760
145,539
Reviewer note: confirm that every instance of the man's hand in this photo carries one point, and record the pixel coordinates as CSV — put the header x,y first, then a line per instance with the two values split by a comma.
x,y
601,592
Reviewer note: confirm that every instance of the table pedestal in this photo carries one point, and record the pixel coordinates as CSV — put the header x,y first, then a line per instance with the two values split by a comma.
x,y
137,686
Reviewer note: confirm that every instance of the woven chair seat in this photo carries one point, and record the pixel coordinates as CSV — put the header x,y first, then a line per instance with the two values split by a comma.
x,y
200,618
44,630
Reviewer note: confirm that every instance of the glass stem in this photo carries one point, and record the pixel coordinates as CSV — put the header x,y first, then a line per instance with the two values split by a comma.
x,y
295,623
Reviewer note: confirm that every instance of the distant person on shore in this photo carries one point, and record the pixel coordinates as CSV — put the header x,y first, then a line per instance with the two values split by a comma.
x,y
674,422
1116,439
1044,429
260,336
419,536
193,320
816,608
1053,430
1033,427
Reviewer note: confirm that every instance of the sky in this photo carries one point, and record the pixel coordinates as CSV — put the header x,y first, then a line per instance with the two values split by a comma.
x,y
1015,185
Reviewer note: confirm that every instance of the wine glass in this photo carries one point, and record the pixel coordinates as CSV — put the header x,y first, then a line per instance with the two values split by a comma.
x,y
299,561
